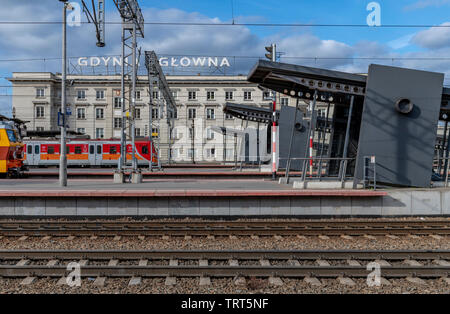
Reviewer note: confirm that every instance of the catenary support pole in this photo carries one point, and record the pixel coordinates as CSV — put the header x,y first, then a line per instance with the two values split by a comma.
x,y
63,152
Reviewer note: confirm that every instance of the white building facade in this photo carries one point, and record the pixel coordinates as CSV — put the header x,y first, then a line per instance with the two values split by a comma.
x,y
95,105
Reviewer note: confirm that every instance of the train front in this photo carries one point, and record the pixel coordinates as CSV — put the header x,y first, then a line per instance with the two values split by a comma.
x,y
11,150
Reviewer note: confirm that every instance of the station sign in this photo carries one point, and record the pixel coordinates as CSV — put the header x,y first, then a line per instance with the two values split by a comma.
x,y
181,61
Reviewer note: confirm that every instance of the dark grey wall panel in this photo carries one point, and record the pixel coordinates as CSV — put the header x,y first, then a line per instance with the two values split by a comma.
x,y
402,143
286,122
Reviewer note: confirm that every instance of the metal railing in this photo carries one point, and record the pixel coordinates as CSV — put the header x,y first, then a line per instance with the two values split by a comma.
x,y
370,172
441,170
319,168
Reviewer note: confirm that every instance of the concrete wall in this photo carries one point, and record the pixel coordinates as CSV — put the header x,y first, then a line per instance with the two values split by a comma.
x,y
396,203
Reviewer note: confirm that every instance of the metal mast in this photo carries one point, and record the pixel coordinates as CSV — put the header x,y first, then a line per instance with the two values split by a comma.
x,y
132,27
63,152
155,72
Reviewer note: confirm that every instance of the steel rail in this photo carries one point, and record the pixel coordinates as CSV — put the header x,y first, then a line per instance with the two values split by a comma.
x,y
222,271
224,255
108,228
227,232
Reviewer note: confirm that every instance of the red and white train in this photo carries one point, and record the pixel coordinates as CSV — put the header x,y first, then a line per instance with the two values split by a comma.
x,y
84,152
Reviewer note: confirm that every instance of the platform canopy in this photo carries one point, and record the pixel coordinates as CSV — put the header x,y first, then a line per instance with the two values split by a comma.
x,y
301,81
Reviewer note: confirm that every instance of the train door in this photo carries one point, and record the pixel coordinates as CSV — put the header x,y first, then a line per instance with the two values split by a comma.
x,y
30,154
92,154
98,154
36,154
95,154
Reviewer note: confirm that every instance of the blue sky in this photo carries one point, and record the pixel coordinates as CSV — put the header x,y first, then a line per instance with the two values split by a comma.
x,y
335,47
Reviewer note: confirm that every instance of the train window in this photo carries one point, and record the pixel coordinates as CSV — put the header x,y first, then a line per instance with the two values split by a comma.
x,y
51,150
67,149
11,136
144,150
36,149
30,149
112,150
77,149
99,149
91,149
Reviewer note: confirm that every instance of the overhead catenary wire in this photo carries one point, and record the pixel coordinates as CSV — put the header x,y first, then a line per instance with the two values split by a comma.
x,y
240,24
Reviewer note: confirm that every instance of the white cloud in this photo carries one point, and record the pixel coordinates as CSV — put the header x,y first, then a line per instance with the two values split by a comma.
x,y
434,37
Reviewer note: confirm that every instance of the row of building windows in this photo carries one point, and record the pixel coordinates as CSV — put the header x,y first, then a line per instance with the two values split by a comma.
x,y
192,95
100,113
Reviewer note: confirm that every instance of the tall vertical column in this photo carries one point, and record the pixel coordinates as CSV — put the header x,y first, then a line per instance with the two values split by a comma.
x,y
63,153
133,101
122,105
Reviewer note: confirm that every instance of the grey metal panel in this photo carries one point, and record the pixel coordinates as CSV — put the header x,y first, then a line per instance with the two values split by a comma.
x,y
402,143
286,123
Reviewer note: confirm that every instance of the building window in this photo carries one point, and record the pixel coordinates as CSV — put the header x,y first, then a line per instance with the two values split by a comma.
x,y
138,94
155,94
210,113
174,114
247,95
210,95
175,94
137,113
284,101
229,95
155,132
81,94
39,111
174,134
192,113
40,128
211,153
117,123
99,132
191,153
81,130
209,134
192,95
137,132
99,113
100,94
117,102
40,92
173,153
155,113
267,96
81,113
322,113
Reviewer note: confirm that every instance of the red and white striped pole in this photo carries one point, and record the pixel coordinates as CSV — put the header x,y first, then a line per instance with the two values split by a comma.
x,y
310,155
274,138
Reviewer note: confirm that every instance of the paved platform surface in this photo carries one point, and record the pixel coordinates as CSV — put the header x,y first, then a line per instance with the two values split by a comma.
x,y
155,188
208,197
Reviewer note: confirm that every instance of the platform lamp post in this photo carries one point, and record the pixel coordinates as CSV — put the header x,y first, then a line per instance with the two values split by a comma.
x,y
63,152
272,56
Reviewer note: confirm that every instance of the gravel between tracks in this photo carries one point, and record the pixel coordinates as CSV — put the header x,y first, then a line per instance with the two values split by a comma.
x,y
225,243
220,285
224,285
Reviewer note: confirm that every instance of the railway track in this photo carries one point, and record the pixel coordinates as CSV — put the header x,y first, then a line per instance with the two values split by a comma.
x,y
101,264
224,228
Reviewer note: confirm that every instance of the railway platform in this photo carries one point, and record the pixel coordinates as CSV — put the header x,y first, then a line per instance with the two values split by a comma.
x,y
203,198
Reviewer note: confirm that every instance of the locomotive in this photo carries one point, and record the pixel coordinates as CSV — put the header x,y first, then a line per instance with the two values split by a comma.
x,y
11,147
